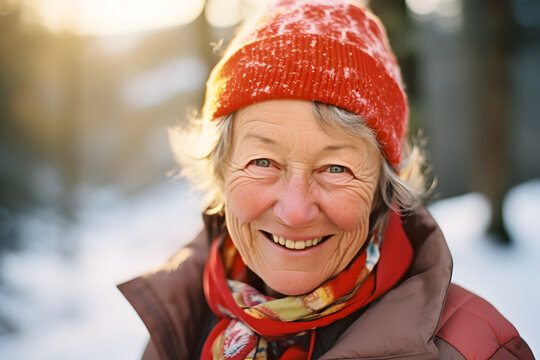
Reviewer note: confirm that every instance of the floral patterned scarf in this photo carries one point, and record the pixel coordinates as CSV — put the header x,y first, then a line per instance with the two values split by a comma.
x,y
250,323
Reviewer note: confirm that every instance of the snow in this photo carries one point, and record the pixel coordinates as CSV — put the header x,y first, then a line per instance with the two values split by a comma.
x,y
65,304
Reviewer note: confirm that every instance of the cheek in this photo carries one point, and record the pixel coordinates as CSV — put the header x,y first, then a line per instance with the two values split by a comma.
x,y
348,209
249,199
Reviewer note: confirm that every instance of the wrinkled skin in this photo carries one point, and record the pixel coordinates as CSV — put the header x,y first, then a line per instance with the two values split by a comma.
x,y
285,176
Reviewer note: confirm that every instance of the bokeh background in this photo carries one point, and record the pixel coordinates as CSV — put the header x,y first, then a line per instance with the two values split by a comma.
x,y
88,89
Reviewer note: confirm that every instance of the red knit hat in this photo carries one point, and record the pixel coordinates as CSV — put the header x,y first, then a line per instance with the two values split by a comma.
x,y
329,51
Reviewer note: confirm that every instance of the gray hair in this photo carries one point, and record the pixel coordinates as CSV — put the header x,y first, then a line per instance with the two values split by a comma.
x,y
202,148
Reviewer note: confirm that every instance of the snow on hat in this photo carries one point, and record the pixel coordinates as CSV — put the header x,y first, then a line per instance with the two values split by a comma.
x,y
329,51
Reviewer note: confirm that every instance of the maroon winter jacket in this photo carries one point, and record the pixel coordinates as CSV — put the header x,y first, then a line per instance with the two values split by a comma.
x,y
424,317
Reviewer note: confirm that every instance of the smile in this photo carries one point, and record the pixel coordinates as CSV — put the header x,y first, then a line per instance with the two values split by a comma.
x,y
296,244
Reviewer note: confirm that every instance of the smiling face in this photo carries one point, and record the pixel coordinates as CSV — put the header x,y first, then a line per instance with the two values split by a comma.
x,y
297,199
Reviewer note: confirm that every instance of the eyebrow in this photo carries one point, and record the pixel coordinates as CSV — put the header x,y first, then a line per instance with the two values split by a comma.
x,y
263,139
328,148
331,148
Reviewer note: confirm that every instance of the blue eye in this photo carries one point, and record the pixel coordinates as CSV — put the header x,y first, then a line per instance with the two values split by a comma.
x,y
262,162
336,169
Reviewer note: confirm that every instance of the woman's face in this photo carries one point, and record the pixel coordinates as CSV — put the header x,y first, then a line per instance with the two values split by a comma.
x,y
297,198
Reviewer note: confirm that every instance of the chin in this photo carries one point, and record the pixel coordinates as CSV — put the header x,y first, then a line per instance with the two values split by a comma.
x,y
292,283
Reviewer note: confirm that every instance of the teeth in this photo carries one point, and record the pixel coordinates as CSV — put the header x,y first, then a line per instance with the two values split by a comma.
x,y
296,245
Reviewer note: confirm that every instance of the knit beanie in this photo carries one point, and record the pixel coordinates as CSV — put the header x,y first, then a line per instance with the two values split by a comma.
x,y
330,51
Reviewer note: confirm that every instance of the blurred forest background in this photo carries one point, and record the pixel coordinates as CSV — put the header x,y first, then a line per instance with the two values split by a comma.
x,y
88,89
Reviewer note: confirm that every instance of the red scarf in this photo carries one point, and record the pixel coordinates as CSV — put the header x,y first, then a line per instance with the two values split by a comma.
x,y
395,258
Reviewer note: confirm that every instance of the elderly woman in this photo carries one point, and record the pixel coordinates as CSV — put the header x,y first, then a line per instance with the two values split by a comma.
x,y
316,245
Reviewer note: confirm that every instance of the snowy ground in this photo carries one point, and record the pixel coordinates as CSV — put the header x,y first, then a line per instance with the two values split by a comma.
x,y
505,276
67,307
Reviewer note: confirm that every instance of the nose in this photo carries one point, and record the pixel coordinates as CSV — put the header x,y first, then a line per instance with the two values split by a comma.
x,y
296,205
